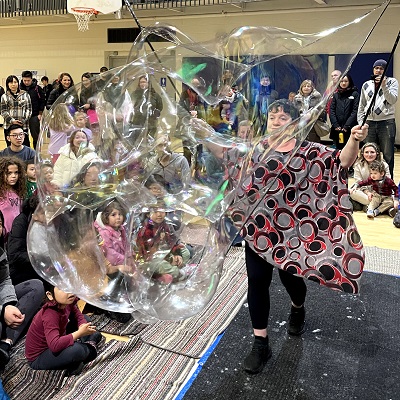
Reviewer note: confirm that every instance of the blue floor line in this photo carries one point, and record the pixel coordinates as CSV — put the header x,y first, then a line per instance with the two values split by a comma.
x,y
201,362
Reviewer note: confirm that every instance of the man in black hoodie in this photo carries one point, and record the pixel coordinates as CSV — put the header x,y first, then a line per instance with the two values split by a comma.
x,y
38,102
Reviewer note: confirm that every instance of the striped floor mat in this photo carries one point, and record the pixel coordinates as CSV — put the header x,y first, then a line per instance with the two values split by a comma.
x,y
153,365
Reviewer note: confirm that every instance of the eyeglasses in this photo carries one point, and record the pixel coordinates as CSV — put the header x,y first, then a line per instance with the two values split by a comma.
x,y
18,135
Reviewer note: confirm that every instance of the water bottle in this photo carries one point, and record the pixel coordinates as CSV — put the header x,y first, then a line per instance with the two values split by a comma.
x,y
341,137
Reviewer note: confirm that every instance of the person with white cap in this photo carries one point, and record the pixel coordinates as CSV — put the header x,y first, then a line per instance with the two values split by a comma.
x,y
381,120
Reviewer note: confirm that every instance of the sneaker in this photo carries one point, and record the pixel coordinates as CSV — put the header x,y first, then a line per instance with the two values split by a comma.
x,y
260,353
376,212
296,324
392,212
370,214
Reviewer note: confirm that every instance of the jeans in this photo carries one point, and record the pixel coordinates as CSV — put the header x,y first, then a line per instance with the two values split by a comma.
x,y
383,133
30,296
34,129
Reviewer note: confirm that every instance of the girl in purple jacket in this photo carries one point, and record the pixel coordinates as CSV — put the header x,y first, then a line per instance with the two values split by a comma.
x,y
113,239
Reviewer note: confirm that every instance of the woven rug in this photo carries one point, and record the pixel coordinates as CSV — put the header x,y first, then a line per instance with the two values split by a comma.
x,y
152,365
23,383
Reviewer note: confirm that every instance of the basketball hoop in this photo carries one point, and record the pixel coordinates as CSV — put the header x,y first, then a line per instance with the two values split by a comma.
x,y
82,15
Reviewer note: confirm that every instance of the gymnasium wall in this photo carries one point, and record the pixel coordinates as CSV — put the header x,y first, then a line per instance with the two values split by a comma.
x,y
56,47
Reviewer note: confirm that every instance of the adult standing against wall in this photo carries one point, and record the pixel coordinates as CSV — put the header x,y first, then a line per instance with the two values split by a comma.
x,y
382,125
343,111
147,106
88,97
36,93
190,106
47,87
65,82
16,108
308,97
332,88
265,96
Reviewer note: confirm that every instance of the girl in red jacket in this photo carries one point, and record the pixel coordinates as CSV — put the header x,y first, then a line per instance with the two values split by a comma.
x,y
60,336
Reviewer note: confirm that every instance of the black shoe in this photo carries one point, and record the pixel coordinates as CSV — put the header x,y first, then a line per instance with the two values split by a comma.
x,y
76,369
119,317
258,356
296,323
356,205
4,354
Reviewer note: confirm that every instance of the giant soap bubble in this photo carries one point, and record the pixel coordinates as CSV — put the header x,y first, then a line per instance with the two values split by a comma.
x,y
139,209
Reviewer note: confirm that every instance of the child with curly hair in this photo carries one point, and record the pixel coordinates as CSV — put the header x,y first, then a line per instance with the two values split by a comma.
x,y
12,189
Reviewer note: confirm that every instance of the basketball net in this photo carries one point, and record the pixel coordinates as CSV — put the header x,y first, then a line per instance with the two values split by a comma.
x,y
82,15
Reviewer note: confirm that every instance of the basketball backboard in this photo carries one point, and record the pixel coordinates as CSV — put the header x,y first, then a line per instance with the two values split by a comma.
x,y
102,6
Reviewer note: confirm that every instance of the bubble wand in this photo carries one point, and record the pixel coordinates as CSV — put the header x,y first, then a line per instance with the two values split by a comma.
x,y
129,7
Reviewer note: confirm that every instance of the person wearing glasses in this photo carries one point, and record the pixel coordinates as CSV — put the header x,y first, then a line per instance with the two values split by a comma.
x,y
16,136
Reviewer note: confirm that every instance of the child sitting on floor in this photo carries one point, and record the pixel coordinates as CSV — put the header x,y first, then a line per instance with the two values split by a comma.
x,y
113,241
60,336
380,191
160,249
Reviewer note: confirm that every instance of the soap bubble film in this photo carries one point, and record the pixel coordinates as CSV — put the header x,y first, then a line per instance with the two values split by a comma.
x,y
140,205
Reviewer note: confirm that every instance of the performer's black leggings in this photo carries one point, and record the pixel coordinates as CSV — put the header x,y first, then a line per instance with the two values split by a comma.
x,y
259,275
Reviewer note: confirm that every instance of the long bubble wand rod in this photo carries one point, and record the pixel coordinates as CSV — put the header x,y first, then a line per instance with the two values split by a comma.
x,y
129,7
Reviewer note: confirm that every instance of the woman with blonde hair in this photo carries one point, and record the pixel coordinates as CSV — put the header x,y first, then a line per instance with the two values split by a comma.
x,y
369,152
306,98
61,125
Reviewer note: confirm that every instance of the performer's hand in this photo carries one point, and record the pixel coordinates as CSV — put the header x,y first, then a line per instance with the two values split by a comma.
x,y
200,128
359,133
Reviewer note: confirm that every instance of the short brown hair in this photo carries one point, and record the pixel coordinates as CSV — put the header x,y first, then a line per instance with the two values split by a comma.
x,y
377,166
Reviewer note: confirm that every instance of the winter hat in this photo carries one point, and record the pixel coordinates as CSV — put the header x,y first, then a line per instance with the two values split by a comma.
x,y
380,63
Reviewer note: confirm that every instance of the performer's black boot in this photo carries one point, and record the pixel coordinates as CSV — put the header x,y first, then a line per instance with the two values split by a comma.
x,y
258,356
297,323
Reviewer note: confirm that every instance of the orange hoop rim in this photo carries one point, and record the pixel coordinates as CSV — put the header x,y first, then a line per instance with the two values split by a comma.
x,y
84,10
